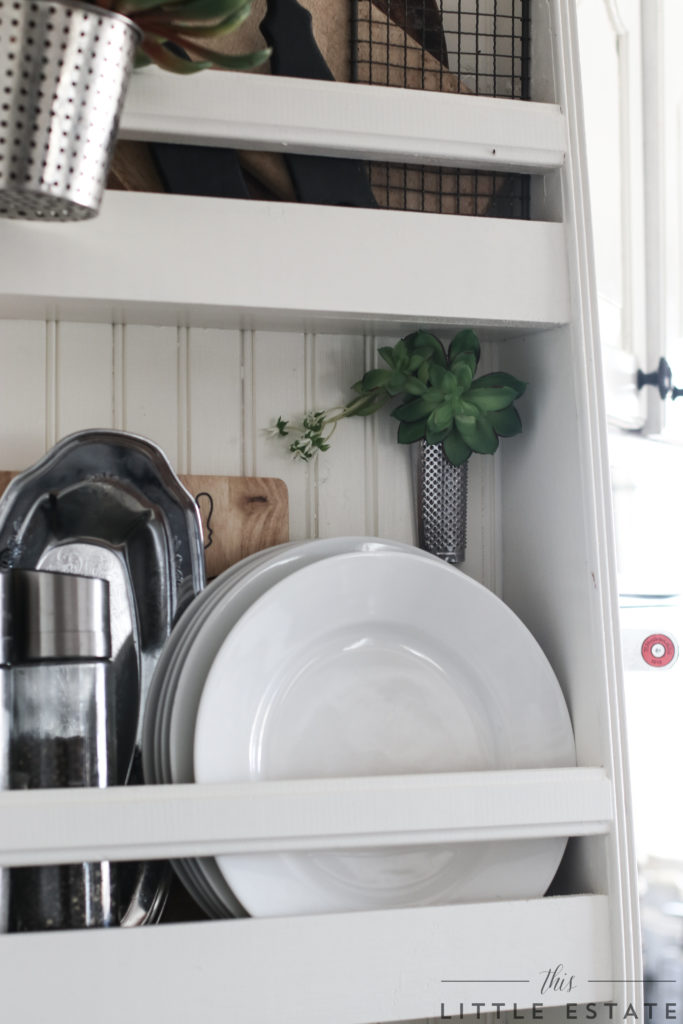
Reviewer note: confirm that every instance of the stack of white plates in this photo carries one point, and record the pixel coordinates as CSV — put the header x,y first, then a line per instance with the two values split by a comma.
x,y
349,657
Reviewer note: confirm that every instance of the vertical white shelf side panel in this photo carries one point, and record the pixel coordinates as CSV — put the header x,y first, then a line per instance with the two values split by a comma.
x,y
623,883
567,421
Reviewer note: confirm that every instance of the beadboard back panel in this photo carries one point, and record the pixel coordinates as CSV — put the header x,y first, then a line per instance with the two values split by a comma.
x,y
208,397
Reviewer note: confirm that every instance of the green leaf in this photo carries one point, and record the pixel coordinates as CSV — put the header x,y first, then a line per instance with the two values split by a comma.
x,y
450,385
437,375
417,409
401,355
506,422
408,433
413,386
456,448
374,401
228,24
129,7
375,379
234,62
159,55
500,380
396,383
491,399
387,354
464,345
440,419
202,10
461,373
427,345
467,359
477,433
434,357
436,436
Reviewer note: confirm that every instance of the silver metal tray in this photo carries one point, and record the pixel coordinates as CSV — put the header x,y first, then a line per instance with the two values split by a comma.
x,y
107,503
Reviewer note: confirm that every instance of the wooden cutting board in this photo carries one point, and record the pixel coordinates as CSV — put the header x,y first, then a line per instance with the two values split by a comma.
x,y
240,515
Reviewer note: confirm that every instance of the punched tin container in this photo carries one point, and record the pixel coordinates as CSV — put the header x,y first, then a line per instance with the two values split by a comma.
x,y
65,69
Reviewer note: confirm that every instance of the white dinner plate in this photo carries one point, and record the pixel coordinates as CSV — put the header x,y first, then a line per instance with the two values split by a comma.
x,y
155,747
228,604
201,876
203,609
379,663
183,666
230,596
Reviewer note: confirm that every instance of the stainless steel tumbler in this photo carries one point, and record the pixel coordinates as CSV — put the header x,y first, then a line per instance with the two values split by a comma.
x,y
5,715
62,733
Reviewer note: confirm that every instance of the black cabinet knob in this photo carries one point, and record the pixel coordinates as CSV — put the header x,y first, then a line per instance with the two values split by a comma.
x,y
661,378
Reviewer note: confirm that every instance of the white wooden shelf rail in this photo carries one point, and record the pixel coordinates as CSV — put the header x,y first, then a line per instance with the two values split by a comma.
x,y
241,263
124,823
351,968
355,967
259,265
253,111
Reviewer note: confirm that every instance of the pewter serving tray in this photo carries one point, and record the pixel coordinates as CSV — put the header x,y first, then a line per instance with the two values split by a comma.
x,y
107,503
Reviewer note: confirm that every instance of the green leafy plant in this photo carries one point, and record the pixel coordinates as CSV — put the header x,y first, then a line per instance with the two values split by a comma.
x,y
171,28
438,400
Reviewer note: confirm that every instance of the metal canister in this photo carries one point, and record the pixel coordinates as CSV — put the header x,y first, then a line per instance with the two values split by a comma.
x,y
5,715
66,67
441,504
62,733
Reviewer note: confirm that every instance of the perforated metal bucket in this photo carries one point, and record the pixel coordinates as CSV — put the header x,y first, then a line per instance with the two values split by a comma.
x,y
442,504
64,69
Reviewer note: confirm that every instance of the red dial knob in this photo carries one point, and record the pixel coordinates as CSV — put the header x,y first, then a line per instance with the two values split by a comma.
x,y
658,650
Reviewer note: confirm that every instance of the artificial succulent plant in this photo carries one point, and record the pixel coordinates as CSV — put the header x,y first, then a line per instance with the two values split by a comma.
x,y
178,34
438,400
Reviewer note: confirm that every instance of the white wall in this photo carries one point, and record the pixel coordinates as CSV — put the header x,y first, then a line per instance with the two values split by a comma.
x,y
207,397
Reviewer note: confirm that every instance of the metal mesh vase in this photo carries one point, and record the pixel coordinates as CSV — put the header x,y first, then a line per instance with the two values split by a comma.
x,y
65,69
441,504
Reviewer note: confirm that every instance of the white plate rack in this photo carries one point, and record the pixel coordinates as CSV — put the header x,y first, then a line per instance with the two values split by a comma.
x,y
527,286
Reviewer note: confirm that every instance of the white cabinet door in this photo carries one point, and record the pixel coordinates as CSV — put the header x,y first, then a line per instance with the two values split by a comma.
x,y
632,92
610,50
663,162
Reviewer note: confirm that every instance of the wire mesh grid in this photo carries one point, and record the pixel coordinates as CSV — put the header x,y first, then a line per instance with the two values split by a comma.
x,y
464,46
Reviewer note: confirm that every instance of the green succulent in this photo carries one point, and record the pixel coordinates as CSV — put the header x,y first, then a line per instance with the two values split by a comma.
x,y
172,27
439,400
442,402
